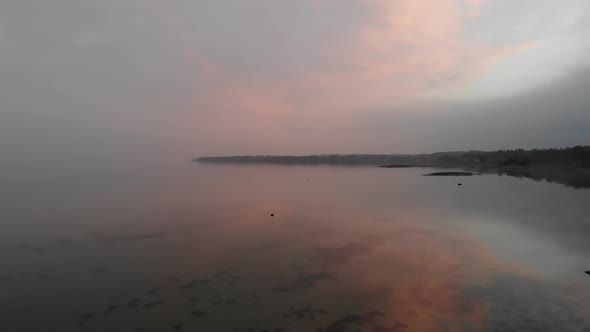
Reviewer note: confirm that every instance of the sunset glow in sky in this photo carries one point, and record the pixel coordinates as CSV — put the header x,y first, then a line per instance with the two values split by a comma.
x,y
293,77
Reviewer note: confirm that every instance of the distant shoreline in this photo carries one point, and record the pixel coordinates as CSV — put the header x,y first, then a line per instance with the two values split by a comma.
x,y
578,156
569,166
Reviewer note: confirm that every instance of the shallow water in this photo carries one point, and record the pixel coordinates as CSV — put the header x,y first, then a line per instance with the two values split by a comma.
x,y
348,249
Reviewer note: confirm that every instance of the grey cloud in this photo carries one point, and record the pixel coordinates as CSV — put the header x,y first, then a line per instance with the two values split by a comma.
x,y
552,115
89,82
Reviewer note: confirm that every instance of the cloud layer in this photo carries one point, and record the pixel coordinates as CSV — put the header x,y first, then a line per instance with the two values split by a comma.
x,y
311,76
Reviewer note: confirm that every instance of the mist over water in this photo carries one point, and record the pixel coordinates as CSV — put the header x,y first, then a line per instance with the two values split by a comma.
x,y
106,224
187,246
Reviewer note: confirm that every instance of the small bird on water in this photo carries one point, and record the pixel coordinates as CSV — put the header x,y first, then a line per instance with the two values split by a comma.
x,y
272,214
587,272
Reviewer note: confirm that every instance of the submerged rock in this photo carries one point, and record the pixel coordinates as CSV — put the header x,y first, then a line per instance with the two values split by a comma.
x,y
87,315
153,304
303,282
199,313
132,303
178,326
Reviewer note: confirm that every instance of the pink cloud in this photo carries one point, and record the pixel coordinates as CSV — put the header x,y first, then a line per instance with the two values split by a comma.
x,y
394,55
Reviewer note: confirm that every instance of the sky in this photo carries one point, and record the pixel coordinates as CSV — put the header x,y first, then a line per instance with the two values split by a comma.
x,y
89,81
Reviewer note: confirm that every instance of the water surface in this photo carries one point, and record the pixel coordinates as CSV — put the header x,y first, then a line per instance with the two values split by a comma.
x,y
195,248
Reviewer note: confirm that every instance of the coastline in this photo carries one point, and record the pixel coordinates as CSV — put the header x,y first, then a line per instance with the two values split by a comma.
x,y
569,166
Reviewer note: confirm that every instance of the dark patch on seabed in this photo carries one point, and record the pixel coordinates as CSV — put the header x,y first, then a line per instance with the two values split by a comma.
x,y
356,322
340,254
521,304
305,313
129,237
369,321
303,282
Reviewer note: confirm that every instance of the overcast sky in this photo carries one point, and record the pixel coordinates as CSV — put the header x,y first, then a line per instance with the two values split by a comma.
x,y
178,78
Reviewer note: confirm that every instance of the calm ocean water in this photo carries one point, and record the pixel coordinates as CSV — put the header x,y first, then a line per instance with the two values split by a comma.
x,y
195,248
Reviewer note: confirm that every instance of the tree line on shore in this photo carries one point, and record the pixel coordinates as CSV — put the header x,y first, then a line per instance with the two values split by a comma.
x,y
577,156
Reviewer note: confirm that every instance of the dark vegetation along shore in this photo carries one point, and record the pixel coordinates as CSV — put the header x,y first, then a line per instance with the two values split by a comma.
x,y
570,166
